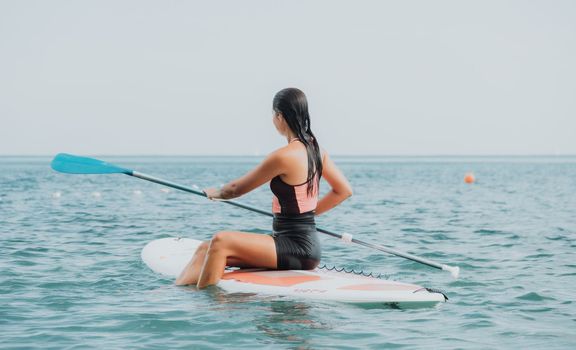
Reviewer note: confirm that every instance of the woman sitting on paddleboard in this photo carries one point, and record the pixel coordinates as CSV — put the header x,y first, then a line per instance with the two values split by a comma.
x,y
294,173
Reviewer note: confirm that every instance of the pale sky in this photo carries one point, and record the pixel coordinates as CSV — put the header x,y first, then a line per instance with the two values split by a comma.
x,y
198,77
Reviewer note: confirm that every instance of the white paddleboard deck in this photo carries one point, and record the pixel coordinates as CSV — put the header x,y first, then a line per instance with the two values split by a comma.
x,y
169,256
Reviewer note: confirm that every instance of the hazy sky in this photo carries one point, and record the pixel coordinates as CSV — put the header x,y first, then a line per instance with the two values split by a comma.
x,y
198,77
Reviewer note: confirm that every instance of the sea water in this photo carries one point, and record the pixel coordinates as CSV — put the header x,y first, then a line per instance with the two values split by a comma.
x,y
71,274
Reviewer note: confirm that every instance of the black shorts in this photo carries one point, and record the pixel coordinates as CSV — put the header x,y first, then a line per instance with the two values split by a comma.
x,y
296,240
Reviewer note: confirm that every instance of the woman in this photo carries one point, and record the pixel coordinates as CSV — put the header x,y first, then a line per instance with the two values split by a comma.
x,y
294,173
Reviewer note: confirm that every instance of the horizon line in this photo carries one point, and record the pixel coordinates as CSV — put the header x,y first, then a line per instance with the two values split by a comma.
x,y
333,155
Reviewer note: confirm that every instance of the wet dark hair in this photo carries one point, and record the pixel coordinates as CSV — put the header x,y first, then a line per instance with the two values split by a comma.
x,y
293,106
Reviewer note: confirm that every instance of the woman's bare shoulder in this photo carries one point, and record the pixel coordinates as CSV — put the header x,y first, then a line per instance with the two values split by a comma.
x,y
281,156
291,151
279,152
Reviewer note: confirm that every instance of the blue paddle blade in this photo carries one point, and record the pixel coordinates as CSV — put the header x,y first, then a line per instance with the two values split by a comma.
x,y
71,164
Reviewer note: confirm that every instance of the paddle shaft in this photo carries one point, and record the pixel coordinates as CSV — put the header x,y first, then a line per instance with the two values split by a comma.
x,y
333,234
191,190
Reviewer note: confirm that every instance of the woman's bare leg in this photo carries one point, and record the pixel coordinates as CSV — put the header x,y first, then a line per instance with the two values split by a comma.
x,y
251,249
191,272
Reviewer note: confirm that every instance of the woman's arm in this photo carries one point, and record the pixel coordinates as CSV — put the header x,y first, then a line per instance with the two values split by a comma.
x,y
341,188
264,172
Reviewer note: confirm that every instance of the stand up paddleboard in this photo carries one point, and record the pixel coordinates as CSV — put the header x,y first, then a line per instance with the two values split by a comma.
x,y
169,256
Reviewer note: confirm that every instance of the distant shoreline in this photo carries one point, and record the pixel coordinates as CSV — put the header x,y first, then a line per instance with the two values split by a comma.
x,y
334,155
14,159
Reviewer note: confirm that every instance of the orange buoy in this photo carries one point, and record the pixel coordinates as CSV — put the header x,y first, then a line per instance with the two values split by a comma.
x,y
469,178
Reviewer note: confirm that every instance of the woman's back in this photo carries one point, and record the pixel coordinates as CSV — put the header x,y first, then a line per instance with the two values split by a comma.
x,y
291,194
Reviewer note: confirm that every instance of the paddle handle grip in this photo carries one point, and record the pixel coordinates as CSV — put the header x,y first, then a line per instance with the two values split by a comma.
x,y
454,270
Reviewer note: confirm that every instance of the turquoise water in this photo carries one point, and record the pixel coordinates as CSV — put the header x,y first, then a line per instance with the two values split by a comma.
x,y
71,274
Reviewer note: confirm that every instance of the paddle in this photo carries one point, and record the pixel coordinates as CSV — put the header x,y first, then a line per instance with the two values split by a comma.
x,y
67,163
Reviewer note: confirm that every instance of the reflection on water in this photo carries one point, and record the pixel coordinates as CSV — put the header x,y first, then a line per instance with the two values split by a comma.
x,y
289,321
280,320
